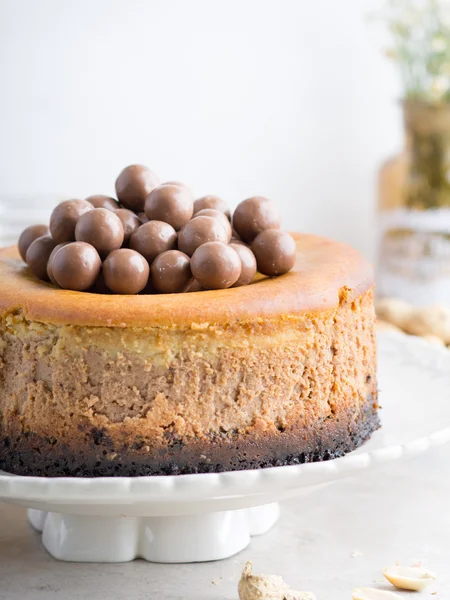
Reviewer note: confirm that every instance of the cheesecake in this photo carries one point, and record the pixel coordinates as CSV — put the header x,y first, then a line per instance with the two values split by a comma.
x,y
278,372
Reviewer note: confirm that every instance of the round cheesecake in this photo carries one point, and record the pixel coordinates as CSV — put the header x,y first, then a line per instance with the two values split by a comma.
x,y
278,372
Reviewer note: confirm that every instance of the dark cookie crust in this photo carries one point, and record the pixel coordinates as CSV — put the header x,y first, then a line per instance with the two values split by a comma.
x,y
96,455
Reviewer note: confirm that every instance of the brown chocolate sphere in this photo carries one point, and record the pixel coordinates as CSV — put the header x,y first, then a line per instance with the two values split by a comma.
x,y
213,202
255,215
65,217
101,201
38,254
275,252
220,216
126,271
130,222
143,217
200,230
248,263
50,261
216,266
102,229
133,186
171,272
76,266
28,236
153,238
173,204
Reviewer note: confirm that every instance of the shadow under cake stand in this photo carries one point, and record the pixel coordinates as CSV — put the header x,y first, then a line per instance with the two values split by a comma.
x,y
193,518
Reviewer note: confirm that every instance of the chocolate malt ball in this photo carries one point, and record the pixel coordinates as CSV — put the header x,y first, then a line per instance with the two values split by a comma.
x,y
153,238
255,215
173,204
248,264
28,236
38,254
101,228
275,252
200,230
213,202
76,266
171,272
126,271
133,186
50,261
101,201
215,266
130,222
216,214
65,217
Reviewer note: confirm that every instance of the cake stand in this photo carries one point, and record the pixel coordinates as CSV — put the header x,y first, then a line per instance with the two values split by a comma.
x,y
193,518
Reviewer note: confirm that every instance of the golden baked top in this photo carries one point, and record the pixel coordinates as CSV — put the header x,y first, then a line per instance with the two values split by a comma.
x,y
322,269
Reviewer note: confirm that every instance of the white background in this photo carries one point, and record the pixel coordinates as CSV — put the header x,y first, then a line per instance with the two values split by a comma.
x,y
291,99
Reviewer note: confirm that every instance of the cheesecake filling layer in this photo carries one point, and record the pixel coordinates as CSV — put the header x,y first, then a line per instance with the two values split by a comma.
x,y
93,401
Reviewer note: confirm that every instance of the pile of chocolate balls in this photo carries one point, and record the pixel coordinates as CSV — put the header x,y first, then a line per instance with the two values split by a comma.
x,y
156,238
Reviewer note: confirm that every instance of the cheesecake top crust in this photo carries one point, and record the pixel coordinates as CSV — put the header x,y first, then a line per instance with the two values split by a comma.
x,y
323,269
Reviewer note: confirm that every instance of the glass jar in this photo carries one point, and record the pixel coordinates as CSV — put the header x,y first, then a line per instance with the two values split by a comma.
x,y
414,210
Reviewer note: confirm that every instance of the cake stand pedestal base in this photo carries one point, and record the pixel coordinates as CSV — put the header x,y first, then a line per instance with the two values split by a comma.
x,y
176,539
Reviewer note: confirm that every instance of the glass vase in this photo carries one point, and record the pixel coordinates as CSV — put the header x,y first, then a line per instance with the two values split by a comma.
x,y
414,210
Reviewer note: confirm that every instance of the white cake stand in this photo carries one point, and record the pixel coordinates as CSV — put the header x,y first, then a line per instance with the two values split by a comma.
x,y
193,518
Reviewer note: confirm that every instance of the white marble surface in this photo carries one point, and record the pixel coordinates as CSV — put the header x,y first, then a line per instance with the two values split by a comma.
x,y
398,513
